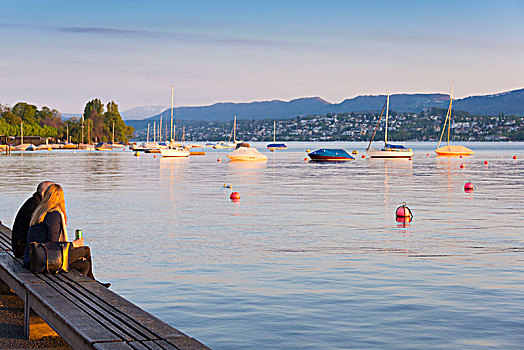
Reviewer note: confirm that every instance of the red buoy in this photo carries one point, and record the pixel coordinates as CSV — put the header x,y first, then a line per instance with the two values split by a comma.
x,y
469,187
234,196
218,159
410,158
154,156
460,157
404,220
305,159
427,154
515,157
486,162
363,156
462,165
403,211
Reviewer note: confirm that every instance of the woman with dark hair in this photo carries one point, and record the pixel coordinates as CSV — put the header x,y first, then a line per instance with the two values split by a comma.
x,y
49,224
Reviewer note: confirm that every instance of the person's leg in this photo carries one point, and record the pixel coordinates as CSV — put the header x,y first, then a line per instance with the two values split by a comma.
x,y
80,260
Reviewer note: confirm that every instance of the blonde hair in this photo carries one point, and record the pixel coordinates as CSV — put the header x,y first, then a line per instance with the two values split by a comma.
x,y
53,201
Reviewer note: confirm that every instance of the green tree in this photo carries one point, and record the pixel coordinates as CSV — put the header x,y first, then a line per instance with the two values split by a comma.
x,y
26,112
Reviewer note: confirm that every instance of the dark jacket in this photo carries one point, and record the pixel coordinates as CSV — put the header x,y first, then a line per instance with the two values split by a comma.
x,y
48,230
21,225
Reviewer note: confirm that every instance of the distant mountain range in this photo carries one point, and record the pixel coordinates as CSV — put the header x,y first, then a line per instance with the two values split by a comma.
x,y
143,112
511,102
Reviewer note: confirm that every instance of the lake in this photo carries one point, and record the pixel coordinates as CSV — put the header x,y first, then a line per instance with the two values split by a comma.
x,y
311,256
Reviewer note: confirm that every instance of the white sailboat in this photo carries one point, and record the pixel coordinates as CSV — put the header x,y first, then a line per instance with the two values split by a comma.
x,y
171,150
451,150
389,150
229,144
23,146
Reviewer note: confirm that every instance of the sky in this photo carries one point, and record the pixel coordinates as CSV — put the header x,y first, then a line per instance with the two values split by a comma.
x,y
62,54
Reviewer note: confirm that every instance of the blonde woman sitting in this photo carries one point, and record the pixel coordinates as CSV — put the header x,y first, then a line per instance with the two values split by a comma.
x,y
48,224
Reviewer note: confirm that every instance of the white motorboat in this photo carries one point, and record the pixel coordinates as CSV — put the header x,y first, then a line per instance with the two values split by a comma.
x,y
244,152
174,152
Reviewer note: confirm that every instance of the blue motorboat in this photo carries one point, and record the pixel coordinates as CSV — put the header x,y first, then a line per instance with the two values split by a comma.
x,y
274,146
330,155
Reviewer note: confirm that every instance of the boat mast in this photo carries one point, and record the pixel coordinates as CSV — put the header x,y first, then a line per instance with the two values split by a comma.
x,y
148,132
67,134
113,139
450,103
386,130
235,130
274,130
448,117
172,94
154,131
376,127
160,130
22,133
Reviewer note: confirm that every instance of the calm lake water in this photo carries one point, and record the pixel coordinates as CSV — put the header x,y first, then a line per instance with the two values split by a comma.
x,y
312,256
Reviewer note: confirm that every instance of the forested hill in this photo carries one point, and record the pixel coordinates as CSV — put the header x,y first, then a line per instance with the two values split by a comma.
x,y
511,102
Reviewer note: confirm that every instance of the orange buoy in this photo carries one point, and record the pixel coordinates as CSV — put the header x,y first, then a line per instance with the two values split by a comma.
x,y
515,157
462,166
468,187
308,150
218,159
363,156
403,211
305,159
410,158
486,162
234,196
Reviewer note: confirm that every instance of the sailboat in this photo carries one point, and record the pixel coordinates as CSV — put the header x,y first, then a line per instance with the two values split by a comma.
x,y
451,150
274,146
23,146
171,150
389,150
229,144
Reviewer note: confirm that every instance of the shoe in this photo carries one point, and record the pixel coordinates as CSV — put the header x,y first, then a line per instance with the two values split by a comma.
x,y
107,285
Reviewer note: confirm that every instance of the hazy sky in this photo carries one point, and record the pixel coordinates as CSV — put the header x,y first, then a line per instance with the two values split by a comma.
x,y
63,53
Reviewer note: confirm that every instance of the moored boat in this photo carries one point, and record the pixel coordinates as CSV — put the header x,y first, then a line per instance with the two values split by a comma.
x,y
275,146
174,152
389,150
103,146
245,152
229,144
451,150
330,155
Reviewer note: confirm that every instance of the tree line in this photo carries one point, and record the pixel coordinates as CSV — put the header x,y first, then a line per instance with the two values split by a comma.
x,y
97,123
